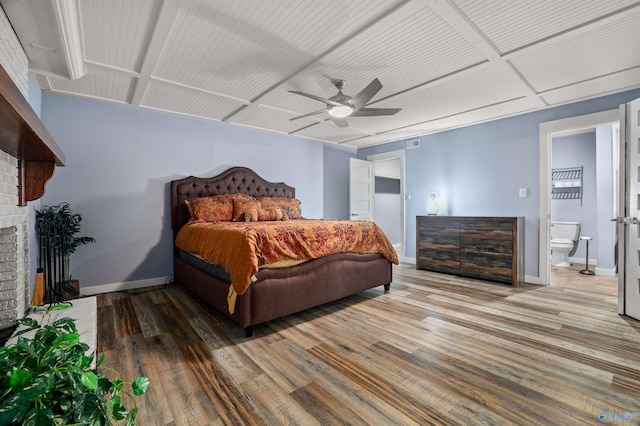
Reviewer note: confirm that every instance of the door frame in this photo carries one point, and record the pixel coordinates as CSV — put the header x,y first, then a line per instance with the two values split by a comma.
x,y
393,155
622,208
547,130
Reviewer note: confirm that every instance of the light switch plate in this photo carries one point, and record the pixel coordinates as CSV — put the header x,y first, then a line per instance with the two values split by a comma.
x,y
524,192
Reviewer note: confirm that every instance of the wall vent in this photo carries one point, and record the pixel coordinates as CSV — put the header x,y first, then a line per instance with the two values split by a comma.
x,y
413,143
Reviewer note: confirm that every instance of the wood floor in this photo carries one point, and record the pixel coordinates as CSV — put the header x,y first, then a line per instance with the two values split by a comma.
x,y
571,277
437,349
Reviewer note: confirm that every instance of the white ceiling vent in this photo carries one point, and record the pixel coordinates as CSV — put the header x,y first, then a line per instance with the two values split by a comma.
x,y
413,143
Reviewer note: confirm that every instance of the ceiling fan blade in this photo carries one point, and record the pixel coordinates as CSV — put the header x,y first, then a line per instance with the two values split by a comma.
x,y
361,99
317,98
340,122
371,112
309,114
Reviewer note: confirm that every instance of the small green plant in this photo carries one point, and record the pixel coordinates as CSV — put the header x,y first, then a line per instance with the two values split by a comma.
x,y
50,379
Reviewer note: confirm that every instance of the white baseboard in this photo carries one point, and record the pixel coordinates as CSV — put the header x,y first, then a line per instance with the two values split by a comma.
x,y
408,260
128,285
592,262
605,272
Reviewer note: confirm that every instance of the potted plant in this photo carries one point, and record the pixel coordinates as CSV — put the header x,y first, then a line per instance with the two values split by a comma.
x,y
57,228
50,379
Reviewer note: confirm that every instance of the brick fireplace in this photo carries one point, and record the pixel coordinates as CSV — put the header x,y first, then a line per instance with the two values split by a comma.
x,y
14,220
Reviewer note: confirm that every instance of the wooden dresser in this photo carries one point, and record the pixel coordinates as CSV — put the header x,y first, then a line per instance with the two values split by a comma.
x,y
490,248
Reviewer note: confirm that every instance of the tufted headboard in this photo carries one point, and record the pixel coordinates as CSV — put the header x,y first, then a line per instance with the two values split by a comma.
x,y
233,181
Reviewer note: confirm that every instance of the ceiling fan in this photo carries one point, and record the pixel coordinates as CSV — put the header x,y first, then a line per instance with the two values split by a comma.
x,y
340,105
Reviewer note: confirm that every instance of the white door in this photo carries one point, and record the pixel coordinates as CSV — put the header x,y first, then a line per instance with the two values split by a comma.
x,y
360,189
629,254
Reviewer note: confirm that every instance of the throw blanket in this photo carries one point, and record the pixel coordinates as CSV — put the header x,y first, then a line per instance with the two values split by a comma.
x,y
240,248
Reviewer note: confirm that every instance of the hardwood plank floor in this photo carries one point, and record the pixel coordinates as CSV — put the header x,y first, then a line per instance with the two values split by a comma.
x,y
571,277
437,349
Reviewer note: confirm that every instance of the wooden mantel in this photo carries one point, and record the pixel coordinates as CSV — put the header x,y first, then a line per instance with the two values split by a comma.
x,y
23,136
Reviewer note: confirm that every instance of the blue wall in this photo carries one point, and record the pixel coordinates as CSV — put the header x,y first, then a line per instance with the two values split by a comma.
x,y
119,164
336,181
479,169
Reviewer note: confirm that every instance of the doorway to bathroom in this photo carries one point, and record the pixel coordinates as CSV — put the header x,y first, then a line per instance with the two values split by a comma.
x,y
584,189
388,203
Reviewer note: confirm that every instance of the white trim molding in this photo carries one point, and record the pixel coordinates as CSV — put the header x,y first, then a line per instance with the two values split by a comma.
x,y
547,130
69,20
127,285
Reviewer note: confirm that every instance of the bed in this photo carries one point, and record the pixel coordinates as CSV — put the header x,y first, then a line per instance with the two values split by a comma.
x,y
273,292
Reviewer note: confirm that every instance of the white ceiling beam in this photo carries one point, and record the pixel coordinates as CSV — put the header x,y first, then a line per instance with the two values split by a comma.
x,y
69,21
160,33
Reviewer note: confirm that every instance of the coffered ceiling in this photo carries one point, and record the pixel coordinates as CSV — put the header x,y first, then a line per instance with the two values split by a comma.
x,y
446,63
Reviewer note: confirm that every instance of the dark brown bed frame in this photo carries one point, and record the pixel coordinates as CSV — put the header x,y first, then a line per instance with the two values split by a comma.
x,y
277,292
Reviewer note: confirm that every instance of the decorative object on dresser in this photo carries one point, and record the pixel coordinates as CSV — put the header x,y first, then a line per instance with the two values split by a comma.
x,y
272,292
432,206
489,248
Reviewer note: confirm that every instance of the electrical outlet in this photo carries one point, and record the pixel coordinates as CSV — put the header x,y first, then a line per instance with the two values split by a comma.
x,y
524,192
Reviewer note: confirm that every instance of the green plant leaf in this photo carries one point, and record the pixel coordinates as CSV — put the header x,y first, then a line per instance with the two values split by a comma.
x,y
64,404
28,322
66,324
66,340
84,361
118,411
26,346
10,415
19,377
140,385
99,362
39,417
131,417
116,386
49,380
59,307
89,380
89,408
104,384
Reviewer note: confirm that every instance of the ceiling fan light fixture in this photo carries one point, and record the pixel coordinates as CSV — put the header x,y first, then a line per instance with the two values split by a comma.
x,y
340,111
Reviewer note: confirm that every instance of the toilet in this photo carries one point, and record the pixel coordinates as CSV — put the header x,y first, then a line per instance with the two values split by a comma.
x,y
564,236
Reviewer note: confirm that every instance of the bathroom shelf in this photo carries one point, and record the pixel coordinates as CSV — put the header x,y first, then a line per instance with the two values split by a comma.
x,y
567,184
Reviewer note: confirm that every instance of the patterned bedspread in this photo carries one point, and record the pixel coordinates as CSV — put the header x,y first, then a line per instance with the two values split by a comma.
x,y
241,248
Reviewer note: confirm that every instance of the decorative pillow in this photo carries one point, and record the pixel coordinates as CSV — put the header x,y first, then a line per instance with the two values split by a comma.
x,y
210,209
240,206
290,206
263,214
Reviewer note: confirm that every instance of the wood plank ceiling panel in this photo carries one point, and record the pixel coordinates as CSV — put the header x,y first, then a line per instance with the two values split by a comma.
x,y
116,32
406,49
612,83
510,25
584,56
183,100
331,133
100,83
271,119
243,48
